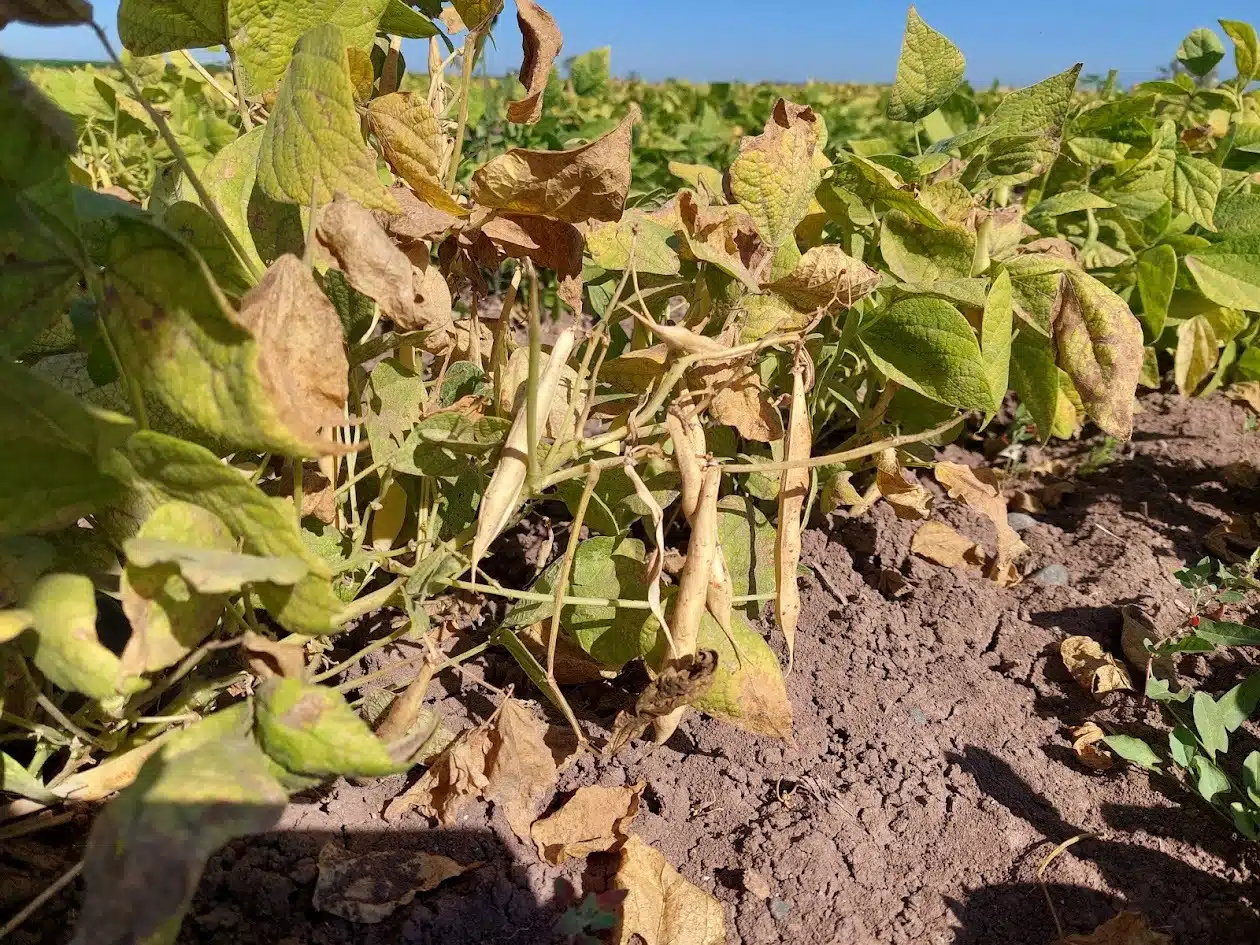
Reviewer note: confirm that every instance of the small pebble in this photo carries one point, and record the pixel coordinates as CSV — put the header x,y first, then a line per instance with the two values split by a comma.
x,y
917,714
1055,575
1020,521
779,909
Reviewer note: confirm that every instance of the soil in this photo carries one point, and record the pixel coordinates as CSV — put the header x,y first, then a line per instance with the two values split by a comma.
x,y
931,772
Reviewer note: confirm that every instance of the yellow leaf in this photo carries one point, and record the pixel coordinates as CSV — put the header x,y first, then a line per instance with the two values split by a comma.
x,y
1095,670
937,542
909,500
593,820
774,176
1247,392
661,907
413,144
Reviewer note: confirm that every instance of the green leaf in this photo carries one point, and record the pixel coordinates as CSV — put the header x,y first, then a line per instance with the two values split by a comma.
x,y
1036,380
189,473
1238,215
1251,776
927,345
1036,284
1196,185
1099,345
1239,704
309,729
15,779
149,27
45,12
1210,780
66,647
614,506
748,542
605,567
229,178
446,443
1038,109
399,19
917,253
929,70
748,689
965,293
1182,746
1200,51
872,182
169,615
1070,201
1197,349
995,336
312,146
1223,633
57,464
213,570
1160,691
591,71
1157,278
1134,750
655,253
37,136
157,834
191,223
1228,273
396,398
1210,724
1246,47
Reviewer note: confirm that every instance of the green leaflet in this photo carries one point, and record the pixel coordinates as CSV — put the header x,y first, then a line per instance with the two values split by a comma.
x,y
1134,750
1157,278
192,224
399,19
168,613
614,506
995,336
66,647
37,136
1238,215
1182,746
929,70
229,179
1196,185
1228,273
190,473
591,71
608,245
309,729
1070,201
312,146
149,27
1037,109
916,253
1036,280
447,444
1099,345
58,463
1200,51
1036,380
927,345
1246,47
748,689
873,183
157,834
45,12
1197,348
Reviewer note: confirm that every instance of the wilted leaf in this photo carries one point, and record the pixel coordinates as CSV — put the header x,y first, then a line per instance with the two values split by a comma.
x,y
661,907
552,244
148,847
1127,928
413,143
681,682
929,70
1099,344
309,729
1096,671
979,489
1197,351
938,542
593,820
581,184
744,403
1247,392
268,658
826,279
541,40
747,689
369,258
716,235
1087,743
213,570
908,499
367,888
312,147
774,176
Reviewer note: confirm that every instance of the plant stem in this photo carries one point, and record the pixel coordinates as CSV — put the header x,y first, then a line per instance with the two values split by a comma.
x,y
365,605
535,368
845,455
566,568
201,70
469,62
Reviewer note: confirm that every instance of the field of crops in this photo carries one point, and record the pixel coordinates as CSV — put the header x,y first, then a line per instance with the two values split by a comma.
x,y
635,497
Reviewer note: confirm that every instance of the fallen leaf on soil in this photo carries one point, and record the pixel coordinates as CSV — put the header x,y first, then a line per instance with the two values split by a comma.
x,y
581,184
1026,502
1137,628
938,542
661,906
541,41
979,489
1095,670
1087,743
1248,392
593,820
1127,928
368,257
369,887
680,683
1242,474
301,347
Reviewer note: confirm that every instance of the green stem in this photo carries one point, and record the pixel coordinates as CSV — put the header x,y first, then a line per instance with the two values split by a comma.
x,y
469,62
535,367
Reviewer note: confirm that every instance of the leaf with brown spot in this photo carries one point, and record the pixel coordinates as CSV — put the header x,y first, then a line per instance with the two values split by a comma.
x,y
1096,671
1127,928
595,819
577,185
939,543
774,176
1087,742
713,235
979,489
661,907
368,257
541,40
827,279
414,145
368,888
551,244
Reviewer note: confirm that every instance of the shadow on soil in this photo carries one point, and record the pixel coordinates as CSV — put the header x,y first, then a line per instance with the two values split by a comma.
x,y
1156,883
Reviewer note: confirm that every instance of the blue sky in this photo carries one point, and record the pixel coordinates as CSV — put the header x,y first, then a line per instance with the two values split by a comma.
x,y
842,40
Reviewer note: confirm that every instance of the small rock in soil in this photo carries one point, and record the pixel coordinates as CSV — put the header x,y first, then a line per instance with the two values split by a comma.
x,y
1055,575
779,909
1020,521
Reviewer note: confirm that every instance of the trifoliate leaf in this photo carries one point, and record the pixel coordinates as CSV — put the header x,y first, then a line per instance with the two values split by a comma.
x,y
928,72
229,178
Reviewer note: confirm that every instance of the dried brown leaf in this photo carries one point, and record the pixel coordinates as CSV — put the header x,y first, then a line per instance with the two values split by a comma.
x,y
593,820
908,499
581,184
938,542
414,145
1087,742
1024,501
432,309
718,235
269,658
827,279
520,768
551,244
679,683
661,907
455,776
368,257
416,220
743,402
1247,392
367,888
573,665
979,489
541,40
1095,670
301,348
1127,928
